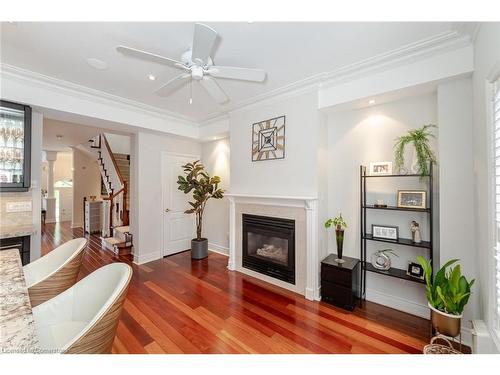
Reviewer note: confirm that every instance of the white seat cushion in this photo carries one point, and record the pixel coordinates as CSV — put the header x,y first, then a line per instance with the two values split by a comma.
x,y
57,336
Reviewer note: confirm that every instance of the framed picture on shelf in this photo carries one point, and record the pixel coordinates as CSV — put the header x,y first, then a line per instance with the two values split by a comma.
x,y
412,199
381,168
415,270
385,232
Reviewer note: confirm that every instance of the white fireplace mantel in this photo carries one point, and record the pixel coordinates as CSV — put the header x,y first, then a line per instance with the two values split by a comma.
x,y
310,205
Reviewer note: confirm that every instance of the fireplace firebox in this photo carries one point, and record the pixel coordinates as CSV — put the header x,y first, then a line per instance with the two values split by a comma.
x,y
269,246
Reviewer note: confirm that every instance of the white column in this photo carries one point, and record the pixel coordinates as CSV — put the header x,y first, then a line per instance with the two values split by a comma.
x,y
231,263
312,278
51,157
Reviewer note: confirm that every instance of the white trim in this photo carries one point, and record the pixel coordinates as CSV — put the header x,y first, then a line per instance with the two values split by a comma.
x,y
218,249
77,225
434,45
146,258
163,198
74,89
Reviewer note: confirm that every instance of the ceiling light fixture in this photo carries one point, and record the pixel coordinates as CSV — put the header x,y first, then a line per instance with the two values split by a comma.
x,y
59,137
371,101
97,64
151,77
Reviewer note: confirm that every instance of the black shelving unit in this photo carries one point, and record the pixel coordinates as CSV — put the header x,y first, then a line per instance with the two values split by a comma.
x,y
366,266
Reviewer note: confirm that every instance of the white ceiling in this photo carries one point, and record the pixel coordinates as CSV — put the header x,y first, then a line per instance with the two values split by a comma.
x,y
72,135
289,52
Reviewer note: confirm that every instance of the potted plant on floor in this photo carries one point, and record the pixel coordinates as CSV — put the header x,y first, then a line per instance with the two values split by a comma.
x,y
203,187
340,225
422,152
447,296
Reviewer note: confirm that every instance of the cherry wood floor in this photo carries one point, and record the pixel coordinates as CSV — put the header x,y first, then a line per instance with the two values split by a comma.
x,y
176,305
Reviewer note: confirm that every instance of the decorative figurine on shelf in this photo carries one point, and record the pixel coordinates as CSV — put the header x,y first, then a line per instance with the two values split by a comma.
x,y
340,226
381,259
415,232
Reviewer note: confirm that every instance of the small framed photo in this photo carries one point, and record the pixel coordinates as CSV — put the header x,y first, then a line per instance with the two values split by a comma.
x,y
415,270
385,232
381,168
412,199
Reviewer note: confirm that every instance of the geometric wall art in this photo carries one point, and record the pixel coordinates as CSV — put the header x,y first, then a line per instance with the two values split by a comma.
x,y
268,139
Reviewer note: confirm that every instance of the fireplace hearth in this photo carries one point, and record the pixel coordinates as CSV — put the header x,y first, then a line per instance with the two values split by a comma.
x,y
269,246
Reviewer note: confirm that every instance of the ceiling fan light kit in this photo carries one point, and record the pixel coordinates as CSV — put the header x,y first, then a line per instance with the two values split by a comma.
x,y
198,66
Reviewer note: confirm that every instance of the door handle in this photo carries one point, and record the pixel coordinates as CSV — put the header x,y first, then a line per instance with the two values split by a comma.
x,y
167,209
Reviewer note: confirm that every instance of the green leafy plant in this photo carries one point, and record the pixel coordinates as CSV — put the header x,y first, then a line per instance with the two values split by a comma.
x,y
338,222
203,187
449,291
420,139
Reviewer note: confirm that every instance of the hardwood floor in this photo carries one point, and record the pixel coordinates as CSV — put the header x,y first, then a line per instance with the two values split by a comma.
x,y
175,305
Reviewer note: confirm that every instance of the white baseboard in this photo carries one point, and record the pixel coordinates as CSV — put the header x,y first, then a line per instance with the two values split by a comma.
x,y
218,249
77,225
146,258
50,221
398,303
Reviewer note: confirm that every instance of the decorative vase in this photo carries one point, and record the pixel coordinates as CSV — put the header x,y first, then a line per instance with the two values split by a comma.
x,y
381,261
339,235
199,248
446,324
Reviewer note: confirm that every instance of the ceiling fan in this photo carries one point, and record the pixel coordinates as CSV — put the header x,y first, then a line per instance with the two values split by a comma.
x,y
198,65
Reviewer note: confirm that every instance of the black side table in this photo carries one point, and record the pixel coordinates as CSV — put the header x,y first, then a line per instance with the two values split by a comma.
x,y
340,282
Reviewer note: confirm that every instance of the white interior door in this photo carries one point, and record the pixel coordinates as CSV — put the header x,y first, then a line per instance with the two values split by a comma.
x,y
178,227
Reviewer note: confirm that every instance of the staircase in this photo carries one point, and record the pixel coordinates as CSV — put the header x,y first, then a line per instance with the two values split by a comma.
x,y
123,164
115,173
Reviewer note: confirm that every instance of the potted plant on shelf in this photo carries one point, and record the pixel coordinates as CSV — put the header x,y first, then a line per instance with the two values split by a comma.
x,y
422,152
203,187
340,225
447,296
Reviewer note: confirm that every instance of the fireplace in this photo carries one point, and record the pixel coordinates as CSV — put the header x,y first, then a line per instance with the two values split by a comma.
x,y
269,246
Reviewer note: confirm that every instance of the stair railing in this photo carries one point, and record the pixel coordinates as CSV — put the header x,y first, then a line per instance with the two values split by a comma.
x,y
115,184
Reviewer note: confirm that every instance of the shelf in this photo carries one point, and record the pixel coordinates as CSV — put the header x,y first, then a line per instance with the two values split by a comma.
x,y
400,241
395,208
395,175
393,272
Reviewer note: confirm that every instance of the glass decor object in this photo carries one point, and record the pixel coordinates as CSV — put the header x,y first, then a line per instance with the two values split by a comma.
x,y
13,145
381,259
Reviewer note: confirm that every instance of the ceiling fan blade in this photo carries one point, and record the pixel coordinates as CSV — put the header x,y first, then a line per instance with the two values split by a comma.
x,y
148,56
244,74
214,90
203,42
173,85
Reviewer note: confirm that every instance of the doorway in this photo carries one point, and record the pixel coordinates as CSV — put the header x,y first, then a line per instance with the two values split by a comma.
x,y
178,227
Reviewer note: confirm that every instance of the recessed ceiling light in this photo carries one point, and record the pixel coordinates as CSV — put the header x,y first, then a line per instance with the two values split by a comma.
x,y
151,77
97,64
371,101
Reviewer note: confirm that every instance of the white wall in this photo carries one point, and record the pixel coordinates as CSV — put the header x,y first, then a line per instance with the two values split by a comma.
x,y
119,144
146,210
215,156
456,183
486,69
358,137
297,173
86,182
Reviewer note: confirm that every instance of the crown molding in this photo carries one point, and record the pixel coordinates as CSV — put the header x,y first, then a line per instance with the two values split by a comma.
x,y
76,90
434,45
462,35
